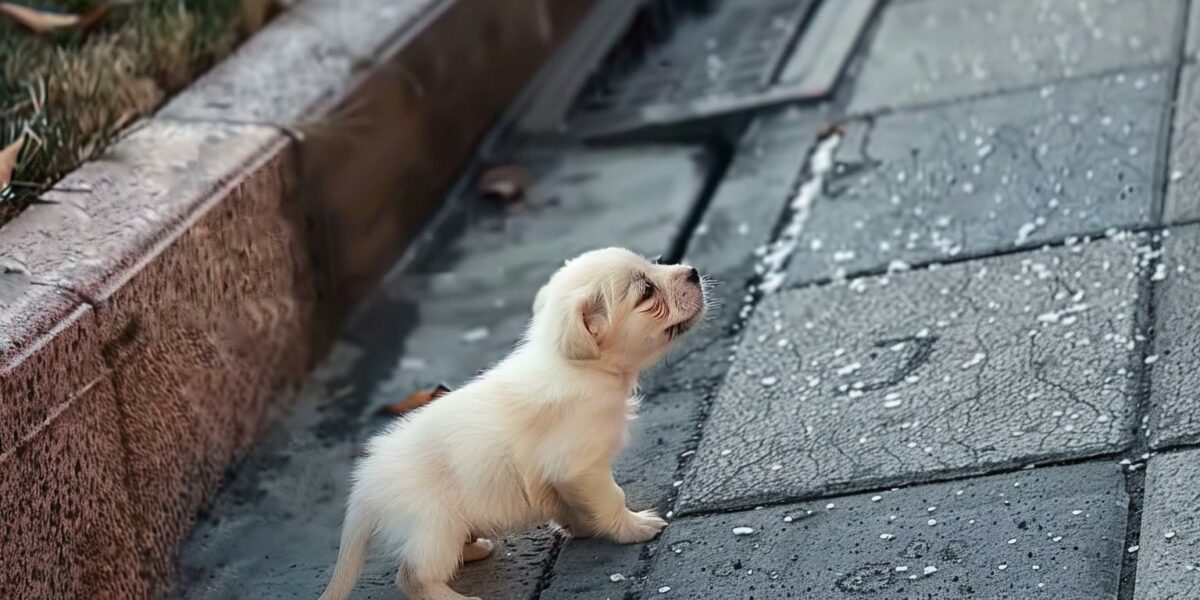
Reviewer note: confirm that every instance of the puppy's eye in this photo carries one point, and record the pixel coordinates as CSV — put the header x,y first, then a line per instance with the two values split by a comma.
x,y
647,293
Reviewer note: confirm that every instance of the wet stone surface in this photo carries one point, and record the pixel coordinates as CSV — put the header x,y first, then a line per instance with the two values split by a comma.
x,y
1169,556
992,363
1052,532
934,50
1175,368
1183,176
442,320
978,177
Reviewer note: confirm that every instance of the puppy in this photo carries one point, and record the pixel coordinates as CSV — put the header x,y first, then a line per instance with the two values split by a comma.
x,y
529,441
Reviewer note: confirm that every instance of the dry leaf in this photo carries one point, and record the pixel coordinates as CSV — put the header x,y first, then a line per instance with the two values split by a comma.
x,y
93,17
8,161
507,183
38,20
415,400
831,129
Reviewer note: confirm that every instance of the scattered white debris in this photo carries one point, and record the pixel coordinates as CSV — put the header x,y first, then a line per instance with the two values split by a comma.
x,y
1012,540
1176,175
769,381
1153,358
849,369
886,536
1134,548
932,522
1169,534
1077,512
413,364
975,360
776,467
930,570
901,569
773,263
615,577
742,530
830,506
1024,232
1002,567
876,498
474,335
788,519
892,403
664,589
726,452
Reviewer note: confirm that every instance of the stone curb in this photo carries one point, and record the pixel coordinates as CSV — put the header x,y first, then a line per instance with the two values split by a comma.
x,y
164,297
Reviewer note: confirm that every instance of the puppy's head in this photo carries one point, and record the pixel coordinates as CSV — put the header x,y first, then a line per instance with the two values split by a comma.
x,y
616,306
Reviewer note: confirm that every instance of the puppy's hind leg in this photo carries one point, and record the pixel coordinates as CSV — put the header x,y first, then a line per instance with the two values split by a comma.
x,y
428,560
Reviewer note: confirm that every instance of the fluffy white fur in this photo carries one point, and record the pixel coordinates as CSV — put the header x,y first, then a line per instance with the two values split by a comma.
x,y
529,441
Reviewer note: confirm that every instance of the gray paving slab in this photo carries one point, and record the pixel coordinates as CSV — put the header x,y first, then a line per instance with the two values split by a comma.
x,y
1183,177
1045,533
976,177
1169,555
941,49
1175,372
970,367
449,314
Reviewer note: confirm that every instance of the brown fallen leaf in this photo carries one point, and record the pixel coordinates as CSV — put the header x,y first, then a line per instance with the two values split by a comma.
x,y
507,183
831,129
93,17
38,20
42,21
8,161
415,400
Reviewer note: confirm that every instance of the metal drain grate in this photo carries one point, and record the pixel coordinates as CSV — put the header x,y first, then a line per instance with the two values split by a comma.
x,y
678,60
732,50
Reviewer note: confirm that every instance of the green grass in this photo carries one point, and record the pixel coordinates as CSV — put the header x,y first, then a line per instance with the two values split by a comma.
x,y
69,93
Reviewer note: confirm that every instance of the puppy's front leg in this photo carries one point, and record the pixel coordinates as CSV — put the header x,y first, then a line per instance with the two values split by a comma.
x,y
598,498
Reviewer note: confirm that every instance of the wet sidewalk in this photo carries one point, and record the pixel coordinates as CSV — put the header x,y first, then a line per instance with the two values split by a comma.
x,y
957,349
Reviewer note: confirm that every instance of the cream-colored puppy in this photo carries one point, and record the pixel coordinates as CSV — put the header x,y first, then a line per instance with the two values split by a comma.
x,y
529,441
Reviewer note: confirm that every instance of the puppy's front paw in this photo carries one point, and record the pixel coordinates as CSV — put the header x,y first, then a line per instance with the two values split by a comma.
x,y
639,527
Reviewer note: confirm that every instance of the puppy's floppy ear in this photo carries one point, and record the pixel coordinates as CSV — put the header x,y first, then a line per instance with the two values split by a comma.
x,y
583,327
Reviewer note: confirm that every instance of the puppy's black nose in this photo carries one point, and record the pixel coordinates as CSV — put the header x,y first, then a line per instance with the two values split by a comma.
x,y
693,276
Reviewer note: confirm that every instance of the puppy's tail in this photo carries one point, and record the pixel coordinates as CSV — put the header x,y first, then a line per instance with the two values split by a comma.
x,y
356,534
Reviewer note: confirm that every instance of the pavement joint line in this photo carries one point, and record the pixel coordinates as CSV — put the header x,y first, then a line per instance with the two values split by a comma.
x,y
965,257
882,486
1135,477
722,154
1162,162
1018,89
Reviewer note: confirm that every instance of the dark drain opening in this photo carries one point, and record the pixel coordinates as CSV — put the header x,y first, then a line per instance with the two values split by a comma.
x,y
679,60
677,51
